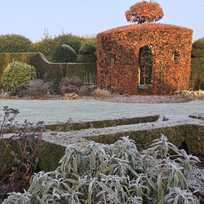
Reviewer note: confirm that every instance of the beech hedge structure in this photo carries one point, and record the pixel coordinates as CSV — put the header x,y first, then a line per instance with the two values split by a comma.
x,y
148,58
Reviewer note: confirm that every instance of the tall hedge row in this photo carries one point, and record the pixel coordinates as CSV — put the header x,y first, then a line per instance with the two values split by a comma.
x,y
197,65
48,46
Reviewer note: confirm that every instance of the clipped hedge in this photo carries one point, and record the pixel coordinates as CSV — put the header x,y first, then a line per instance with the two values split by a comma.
x,y
144,137
85,71
55,71
102,123
46,162
197,73
197,65
197,53
191,134
86,58
199,44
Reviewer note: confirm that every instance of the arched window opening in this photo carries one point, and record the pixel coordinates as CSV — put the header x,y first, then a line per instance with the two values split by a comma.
x,y
175,57
145,68
111,59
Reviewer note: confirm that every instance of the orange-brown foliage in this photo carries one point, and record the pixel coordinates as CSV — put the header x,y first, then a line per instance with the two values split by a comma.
x,y
144,12
118,54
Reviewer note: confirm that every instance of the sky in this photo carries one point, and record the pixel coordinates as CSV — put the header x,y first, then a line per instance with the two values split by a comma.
x,y
33,19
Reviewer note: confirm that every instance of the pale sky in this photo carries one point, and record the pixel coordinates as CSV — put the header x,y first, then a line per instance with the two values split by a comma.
x,y
80,17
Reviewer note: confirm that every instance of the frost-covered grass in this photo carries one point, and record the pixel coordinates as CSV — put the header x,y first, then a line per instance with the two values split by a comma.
x,y
117,174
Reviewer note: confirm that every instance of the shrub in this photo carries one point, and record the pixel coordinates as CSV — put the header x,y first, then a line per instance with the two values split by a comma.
x,y
45,46
24,145
92,40
16,75
101,93
87,49
86,90
70,85
39,88
11,43
65,53
116,173
69,39
199,44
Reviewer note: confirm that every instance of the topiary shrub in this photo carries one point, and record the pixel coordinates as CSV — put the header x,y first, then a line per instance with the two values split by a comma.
x,y
73,41
87,49
86,53
92,40
14,43
199,44
16,75
66,54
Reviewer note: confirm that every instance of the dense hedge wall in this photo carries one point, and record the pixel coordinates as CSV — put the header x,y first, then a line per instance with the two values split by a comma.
x,y
199,44
197,73
197,53
55,71
197,65
47,161
118,56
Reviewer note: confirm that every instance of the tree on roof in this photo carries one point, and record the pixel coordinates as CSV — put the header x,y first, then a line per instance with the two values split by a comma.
x,y
144,12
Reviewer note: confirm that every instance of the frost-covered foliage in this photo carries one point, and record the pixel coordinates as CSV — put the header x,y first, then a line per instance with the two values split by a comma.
x,y
117,174
191,93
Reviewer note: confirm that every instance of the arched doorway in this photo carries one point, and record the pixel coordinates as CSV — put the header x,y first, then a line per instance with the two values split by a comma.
x,y
145,68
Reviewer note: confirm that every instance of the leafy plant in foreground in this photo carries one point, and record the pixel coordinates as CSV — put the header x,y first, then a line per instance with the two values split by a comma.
x,y
117,174
29,141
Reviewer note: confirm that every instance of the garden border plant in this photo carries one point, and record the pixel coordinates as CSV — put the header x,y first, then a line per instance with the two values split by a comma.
x,y
116,173
16,76
29,146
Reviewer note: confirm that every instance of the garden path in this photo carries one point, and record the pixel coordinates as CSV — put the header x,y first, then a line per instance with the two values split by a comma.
x,y
62,110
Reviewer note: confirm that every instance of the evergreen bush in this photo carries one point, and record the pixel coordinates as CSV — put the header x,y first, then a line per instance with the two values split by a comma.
x,y
45,46
16,75
199,44
92,40
197,53
11,43
197,65
66,54
87,49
